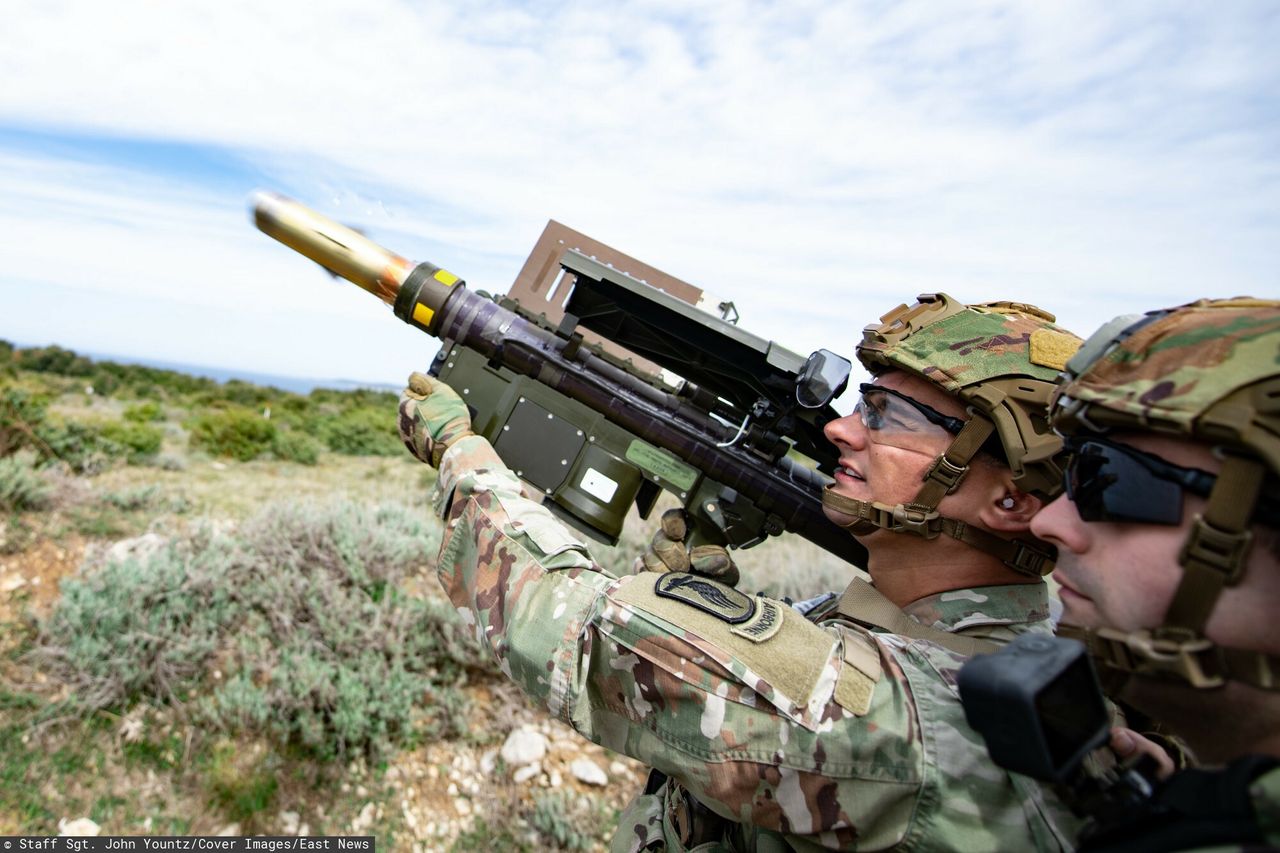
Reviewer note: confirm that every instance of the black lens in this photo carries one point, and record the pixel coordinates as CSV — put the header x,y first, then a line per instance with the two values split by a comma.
x,y
1107,483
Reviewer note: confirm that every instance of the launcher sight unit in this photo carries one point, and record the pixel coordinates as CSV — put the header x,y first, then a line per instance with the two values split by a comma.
x,y
616,391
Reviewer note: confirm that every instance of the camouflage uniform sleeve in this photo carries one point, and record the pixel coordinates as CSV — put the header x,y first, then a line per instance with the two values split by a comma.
x,y
762,715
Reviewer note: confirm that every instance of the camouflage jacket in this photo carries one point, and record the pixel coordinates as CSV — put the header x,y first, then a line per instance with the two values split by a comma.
x,y
829,735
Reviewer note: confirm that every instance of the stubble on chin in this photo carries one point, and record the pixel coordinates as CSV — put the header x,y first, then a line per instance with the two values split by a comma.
x,y
1078,608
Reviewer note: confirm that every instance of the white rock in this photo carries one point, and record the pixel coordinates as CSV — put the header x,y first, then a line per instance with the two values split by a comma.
x,y
231,830
11,583
488,761
555,780
524,774
217,466
588,772
453,790
138,548
617,768
524,747
365,819
463,807
81,826
131,727
289,822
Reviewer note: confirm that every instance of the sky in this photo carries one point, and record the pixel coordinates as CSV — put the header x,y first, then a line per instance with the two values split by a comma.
x,y
816,162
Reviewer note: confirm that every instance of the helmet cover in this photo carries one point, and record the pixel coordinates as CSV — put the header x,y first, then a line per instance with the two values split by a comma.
x,y
1208,370
1000,358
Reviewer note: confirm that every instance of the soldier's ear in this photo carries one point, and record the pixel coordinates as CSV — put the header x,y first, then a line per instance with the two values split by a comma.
x,y
1009,510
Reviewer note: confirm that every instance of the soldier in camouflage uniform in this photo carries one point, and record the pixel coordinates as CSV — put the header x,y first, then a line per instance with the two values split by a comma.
x,y
1169,542
775,731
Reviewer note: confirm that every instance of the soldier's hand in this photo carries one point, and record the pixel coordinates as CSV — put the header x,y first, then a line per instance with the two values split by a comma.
x,y
432,417
669,553
1126,743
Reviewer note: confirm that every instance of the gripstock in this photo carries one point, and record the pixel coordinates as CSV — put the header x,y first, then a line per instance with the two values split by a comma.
x,y
600,427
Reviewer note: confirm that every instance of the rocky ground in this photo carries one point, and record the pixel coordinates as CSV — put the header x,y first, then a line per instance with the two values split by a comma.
x,y
515,780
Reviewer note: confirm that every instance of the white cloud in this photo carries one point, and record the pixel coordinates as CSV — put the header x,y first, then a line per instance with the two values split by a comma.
x,y
816,162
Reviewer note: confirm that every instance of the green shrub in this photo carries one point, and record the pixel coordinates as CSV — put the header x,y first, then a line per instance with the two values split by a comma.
x,y
140,442
22,417
568,821
236,432
355,399
54,359
302,610
243,781
21,486
24,422
292,446
142,413
132,500
363,431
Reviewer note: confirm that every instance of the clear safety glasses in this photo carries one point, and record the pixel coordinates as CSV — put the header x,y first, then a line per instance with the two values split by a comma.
x,y
895,419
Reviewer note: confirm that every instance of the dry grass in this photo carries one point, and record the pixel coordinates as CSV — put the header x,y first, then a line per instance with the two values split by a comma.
x,y
234,490
144,768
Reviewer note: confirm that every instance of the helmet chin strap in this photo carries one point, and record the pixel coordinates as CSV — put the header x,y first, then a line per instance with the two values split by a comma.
x,y
921,518
1212,558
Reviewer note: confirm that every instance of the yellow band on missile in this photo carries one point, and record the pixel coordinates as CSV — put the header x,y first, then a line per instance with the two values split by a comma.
x,y
422,314
446,278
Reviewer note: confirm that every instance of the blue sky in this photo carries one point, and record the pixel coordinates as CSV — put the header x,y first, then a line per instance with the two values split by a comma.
x,y
816,162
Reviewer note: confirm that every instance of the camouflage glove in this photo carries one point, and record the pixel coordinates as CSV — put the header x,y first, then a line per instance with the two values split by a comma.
x,y
432,417
668,552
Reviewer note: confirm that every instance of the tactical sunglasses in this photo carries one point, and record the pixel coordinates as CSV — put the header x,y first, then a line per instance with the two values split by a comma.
x,y
1114,482
889,412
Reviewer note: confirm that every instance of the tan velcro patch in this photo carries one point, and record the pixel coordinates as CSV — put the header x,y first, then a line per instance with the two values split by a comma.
x,y
791,658
859,673
1052,349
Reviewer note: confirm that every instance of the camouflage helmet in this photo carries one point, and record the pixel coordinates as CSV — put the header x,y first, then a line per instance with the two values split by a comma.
x,y
1002,359
1208,371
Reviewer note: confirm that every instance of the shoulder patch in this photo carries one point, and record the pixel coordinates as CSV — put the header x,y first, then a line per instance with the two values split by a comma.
x,y
764,624
723,602
752,617
1052,349
786,652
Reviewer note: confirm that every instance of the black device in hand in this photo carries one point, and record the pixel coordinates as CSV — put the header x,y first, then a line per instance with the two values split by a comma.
x,y
1037,704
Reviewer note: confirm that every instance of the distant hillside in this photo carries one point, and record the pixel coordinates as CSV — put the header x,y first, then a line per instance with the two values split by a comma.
x,y
67,407
297,384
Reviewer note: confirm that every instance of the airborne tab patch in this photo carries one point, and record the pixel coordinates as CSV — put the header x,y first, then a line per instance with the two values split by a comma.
x,y
764,624
757,619
723,602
